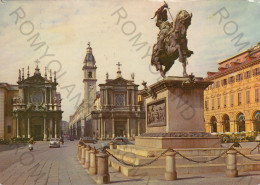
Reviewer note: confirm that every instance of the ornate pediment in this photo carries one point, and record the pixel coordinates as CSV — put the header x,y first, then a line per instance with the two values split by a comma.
x,y
37,79
119,82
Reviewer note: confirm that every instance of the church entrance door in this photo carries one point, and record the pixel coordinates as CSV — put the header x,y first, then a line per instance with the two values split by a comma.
x,y
120,128
37,128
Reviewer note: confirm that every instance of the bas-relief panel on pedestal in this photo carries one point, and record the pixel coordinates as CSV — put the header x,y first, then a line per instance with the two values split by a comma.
x,y
156,113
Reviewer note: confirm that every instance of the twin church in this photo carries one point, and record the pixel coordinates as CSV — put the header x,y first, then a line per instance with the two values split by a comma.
x,y
112,111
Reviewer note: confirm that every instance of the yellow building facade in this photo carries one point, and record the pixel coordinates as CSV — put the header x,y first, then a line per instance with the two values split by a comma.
x,y
232,102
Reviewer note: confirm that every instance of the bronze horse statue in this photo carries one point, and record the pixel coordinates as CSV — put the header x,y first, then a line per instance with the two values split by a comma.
x,y
175,45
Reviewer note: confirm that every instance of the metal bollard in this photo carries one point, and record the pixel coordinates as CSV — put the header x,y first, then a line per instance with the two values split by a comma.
x,y
102,172
88,148
170,169
83,155
231,170
111,145
92,162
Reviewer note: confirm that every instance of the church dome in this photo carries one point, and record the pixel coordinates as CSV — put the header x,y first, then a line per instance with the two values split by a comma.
x,y
89,55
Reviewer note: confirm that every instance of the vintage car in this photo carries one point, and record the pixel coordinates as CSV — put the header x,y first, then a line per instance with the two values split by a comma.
x,y
89,140
54,142
117,141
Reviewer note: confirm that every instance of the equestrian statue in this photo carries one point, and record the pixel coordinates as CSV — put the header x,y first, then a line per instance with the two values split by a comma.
x,y
171,41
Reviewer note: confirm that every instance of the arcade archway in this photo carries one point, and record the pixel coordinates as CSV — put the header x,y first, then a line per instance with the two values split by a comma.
x,y
226,123
241,126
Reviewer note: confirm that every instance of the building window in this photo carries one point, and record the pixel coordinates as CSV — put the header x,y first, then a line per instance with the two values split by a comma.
x,y
256,95
217,84
219,103
232,100
239,98
9,129
207,105
239,77
90,74
224,82
247,97
247,74
231,79
119,100
225,101
256,71
212,104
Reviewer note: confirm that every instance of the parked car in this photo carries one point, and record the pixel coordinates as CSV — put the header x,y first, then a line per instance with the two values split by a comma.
x,y
54,142
257,138
117,141
89,140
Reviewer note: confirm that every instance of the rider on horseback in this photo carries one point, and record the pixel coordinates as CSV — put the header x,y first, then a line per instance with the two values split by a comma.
x,y
163,24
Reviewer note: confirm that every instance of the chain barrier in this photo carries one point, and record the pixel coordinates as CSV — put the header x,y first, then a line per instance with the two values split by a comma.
x,y
258,145
250,158
137,165
192,160
189,159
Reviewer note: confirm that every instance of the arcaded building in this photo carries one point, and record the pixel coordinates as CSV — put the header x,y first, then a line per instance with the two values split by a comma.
x,y
232,102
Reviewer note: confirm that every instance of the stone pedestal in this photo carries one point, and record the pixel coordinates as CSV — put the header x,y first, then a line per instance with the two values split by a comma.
x,y
175,115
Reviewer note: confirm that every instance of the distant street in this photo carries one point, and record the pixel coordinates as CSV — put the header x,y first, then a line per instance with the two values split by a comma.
x,y
43,165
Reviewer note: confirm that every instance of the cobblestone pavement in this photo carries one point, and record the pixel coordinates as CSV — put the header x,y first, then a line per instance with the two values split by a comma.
x,y
43,165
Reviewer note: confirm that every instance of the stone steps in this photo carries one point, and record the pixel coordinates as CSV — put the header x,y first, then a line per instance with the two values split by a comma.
x,y
195,169
138,155
137,159
153,152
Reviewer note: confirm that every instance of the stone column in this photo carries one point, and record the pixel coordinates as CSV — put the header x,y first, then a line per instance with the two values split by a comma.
x,y
231,170
105,129
28,124
113,127
99,120
133,100
138,127
55,128
87,157
17,127
50,96
92,163
44,129
128,128
102,174
170,169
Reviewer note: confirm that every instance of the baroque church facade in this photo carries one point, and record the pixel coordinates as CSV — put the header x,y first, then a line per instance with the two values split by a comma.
x,y
112,111
37,108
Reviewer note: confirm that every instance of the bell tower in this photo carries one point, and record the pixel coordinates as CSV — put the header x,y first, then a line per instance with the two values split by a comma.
x,y
89,80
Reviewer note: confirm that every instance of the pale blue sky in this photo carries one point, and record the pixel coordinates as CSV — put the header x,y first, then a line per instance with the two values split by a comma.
x,y
67,26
